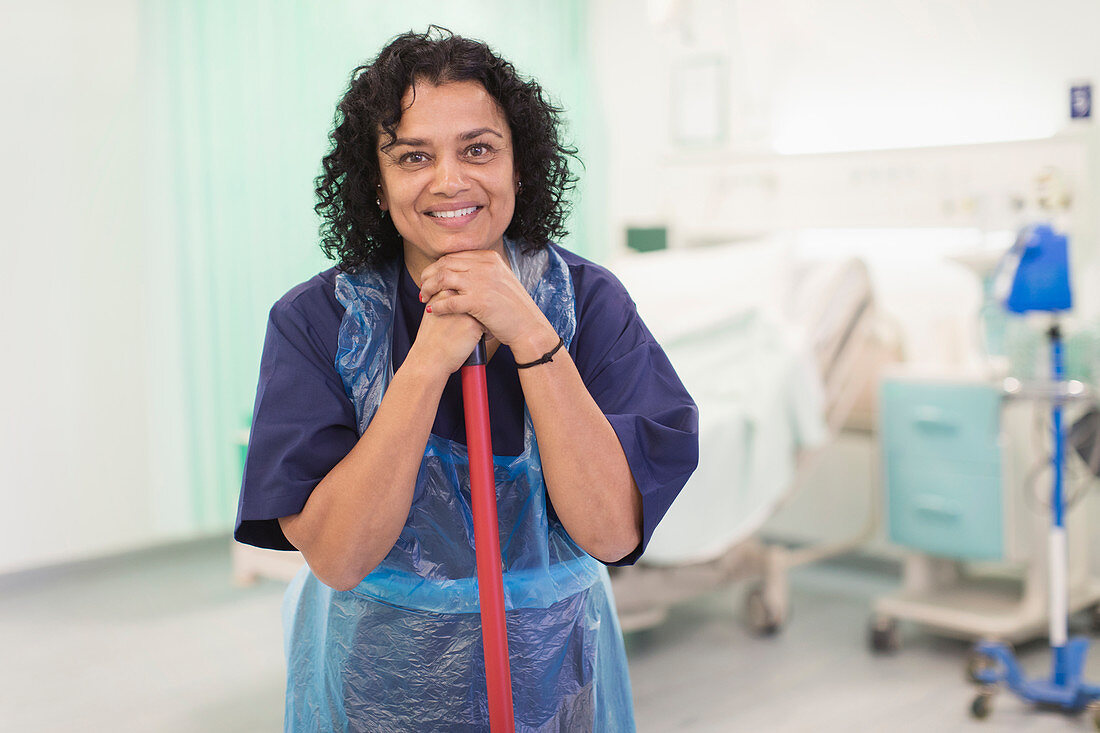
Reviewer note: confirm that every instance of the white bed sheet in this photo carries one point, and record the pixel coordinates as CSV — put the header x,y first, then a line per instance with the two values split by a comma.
x,y
718,313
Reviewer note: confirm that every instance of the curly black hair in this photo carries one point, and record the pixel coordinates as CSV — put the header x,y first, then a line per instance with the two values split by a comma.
x,y
354,232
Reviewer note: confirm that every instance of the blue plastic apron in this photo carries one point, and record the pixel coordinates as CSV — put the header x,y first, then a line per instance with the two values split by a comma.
x,y
402,651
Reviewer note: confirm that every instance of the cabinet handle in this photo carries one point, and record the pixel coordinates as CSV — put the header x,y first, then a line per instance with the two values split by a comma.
x,y
937,506
933,418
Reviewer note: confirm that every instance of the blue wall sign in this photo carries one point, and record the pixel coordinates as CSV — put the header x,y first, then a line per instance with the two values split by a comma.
x,y
1080,101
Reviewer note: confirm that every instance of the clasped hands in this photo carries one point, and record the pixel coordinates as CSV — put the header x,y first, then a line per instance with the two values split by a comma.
x,y
475,293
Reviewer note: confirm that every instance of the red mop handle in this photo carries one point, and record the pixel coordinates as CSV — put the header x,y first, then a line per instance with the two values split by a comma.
x,y
490,582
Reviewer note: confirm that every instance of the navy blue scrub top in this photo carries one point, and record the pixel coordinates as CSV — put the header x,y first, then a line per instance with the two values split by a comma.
x,y
303,423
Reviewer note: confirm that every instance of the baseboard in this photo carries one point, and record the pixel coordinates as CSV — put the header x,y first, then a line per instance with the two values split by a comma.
x,y
219,542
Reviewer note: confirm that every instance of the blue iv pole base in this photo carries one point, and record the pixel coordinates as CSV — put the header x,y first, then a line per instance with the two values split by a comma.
x,y
995,664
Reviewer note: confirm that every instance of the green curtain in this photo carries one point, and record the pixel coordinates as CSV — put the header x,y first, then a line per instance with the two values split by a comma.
x,y
241,95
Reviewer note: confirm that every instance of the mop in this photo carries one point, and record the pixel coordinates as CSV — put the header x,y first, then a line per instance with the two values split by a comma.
x,y
490,582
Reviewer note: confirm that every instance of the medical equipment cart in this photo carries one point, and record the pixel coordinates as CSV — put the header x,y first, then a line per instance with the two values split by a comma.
x,y
959,465
947,450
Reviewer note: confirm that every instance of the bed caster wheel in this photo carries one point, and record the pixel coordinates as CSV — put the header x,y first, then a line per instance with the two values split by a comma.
x,y
763,619
982,705
1094,619
884,636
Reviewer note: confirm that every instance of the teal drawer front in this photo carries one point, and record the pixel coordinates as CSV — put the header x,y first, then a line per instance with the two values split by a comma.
x,y
942,462
959,423
942,511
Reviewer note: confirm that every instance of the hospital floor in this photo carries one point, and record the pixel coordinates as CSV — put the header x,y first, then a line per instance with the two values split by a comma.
x,y
163,642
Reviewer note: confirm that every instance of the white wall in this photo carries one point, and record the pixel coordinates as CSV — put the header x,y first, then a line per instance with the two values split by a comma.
x,y
810,76
75,414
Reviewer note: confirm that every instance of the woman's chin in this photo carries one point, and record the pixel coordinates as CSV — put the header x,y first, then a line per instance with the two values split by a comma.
x,y
471,245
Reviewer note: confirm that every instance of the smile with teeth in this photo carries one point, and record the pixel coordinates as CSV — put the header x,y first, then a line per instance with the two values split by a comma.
x,y
453,214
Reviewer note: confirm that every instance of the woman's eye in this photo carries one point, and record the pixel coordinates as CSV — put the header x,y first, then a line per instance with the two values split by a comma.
x,y
479,150
413,158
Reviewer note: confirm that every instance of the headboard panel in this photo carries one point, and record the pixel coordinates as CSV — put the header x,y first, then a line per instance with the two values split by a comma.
x,y
992,186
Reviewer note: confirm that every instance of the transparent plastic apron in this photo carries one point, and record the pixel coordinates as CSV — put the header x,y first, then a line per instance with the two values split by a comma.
x,y
402,651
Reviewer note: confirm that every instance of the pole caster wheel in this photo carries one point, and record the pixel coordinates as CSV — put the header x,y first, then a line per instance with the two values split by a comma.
x,y
982,705
978,668
763,619
1093,710
883,635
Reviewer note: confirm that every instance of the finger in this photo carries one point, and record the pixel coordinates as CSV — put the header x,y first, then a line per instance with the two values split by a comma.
x,y
460,325
440,281
465,261
450,302
425,299
443,264
432,304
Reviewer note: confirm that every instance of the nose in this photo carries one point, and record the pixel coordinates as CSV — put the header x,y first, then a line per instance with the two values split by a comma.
x,y
450,177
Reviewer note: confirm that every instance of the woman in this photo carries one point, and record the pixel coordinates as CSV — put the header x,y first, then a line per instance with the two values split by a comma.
x,y
442,191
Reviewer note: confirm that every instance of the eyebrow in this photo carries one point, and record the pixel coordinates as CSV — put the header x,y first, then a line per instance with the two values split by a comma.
x,y
479,132
414,142
410,141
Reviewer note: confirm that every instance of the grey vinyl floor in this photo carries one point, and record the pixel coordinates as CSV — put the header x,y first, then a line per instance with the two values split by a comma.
x,y
163,641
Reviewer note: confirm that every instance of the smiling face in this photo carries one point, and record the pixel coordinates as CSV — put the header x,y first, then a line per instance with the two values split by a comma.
x,y
448,179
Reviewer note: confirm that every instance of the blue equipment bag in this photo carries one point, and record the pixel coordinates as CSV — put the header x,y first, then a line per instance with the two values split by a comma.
x,y
1037,268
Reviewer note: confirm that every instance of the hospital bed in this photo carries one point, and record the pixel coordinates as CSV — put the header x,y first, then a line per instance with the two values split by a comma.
x,y
779,354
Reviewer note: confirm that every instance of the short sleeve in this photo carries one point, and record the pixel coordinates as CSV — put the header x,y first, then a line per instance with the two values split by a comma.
x,y
303,423
634,385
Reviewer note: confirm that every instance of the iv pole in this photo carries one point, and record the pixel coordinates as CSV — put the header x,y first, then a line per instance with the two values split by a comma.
x,y
1036,278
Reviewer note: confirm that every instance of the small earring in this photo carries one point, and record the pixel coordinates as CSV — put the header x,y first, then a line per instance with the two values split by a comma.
x,y
379,202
